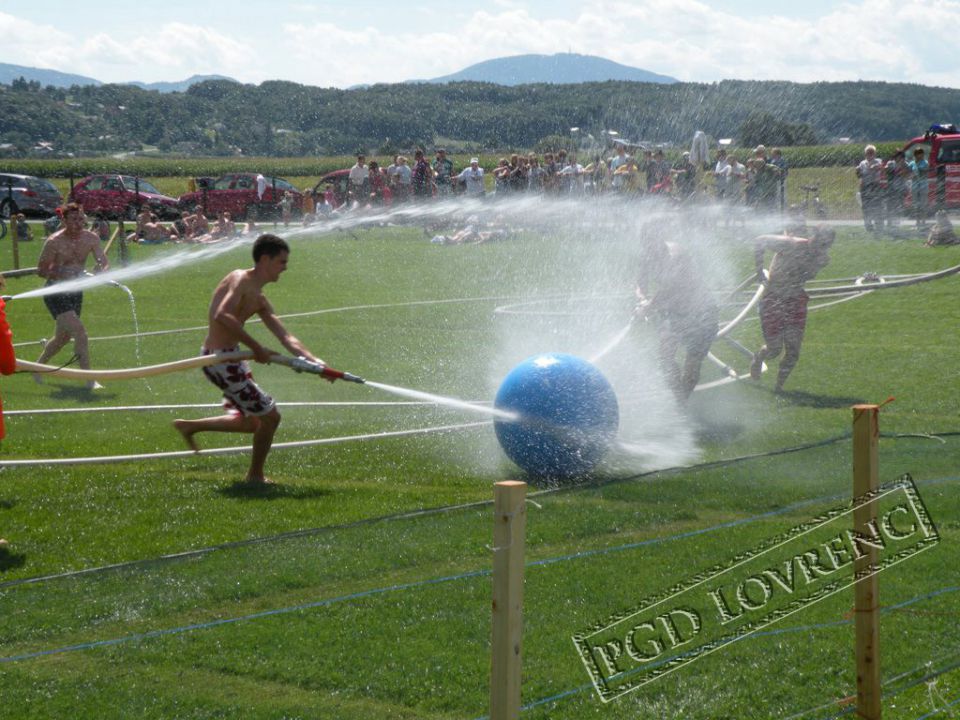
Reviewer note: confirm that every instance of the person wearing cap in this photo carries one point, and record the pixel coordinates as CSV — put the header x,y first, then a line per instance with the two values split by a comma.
x,y
472,177
442,171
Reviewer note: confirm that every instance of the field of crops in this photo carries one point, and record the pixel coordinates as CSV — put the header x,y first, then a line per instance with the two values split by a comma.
x,y
812,156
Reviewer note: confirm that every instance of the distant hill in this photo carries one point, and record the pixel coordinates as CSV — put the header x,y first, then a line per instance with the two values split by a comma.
x,y
285,119
9,73
559,69
166,87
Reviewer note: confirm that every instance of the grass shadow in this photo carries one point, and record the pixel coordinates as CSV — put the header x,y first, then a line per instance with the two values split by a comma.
x,y
273,491
11,561
80,393
902,232
806,399
7,504
715,431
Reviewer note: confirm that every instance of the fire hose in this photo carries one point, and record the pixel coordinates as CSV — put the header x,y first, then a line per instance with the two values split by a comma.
x,y
298,364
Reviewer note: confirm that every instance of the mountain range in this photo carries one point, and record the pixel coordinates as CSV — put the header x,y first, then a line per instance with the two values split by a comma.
x,y
559,69
9,73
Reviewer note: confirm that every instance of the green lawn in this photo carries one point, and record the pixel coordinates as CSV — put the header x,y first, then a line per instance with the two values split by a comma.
x,y
332,596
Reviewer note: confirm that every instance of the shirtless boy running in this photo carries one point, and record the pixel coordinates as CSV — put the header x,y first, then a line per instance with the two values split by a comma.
x,y
237,298
64,257
670,289
783,306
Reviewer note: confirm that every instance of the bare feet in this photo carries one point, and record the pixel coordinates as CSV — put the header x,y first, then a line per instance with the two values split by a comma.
x,y
183,427
258,481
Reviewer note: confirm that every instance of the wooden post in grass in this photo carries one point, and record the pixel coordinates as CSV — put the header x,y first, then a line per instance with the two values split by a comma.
x,y
14,241
866,434
509,526
117,231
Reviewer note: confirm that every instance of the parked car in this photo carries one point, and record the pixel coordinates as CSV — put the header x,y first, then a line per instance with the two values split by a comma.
x,y
28,195
339,180
236,193
121,196
941,146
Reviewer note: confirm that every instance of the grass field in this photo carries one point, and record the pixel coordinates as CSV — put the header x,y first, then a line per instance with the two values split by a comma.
x,y
359,587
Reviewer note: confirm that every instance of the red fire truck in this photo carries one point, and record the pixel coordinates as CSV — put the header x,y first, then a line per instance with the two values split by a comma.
x,y
941,146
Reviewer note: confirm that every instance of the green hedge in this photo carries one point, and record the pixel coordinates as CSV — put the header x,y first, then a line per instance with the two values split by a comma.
x,y
175,167
806,156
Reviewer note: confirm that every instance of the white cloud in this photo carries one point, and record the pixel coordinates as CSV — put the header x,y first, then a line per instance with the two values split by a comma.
x,y
897,41
34,45
169,52
871,39
906,41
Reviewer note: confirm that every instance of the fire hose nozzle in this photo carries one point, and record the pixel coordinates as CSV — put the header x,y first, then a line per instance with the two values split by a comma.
x,y
301,364
350,377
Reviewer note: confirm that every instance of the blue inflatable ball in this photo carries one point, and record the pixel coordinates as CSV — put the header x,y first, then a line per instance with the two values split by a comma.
x,y
567,415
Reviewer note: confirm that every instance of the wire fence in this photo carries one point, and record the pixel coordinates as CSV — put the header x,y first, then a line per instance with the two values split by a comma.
x,y
926,672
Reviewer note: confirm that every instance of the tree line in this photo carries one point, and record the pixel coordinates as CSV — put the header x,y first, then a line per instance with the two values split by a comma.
x,y
285,119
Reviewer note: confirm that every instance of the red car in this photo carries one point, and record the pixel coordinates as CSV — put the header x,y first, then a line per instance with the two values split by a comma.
x,y
339,180
120,196
236,193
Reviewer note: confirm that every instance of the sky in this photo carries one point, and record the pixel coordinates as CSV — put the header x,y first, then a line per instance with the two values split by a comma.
x,y
351,42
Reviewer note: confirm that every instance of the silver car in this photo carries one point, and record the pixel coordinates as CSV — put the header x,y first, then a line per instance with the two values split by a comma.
x,y
28,195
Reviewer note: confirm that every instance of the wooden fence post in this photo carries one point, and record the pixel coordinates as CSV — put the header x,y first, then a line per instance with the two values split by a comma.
x,y
509,526
866,435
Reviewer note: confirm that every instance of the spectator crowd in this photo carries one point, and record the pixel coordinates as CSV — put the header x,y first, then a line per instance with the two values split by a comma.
x,y
758,182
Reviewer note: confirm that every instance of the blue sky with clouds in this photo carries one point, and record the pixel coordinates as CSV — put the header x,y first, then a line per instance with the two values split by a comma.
x,y
320,42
